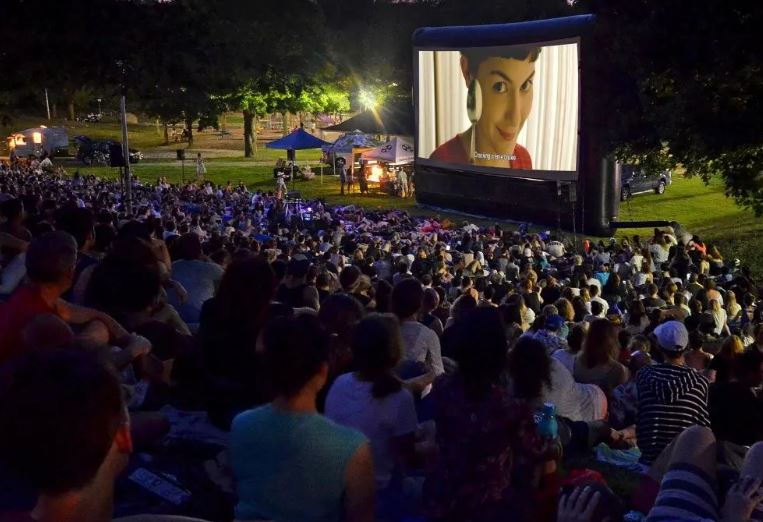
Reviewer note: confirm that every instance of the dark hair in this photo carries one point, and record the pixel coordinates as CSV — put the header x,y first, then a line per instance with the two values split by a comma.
x,y
596,308
134,229
480,351
11,208
578,304
245,290
747,363
188,247
339,313
599,343
59,418
407,296
295,349
529,367
349,278
635,312
51,257
476,55
79,222
383,296
575,338
120,286
377,349
104,235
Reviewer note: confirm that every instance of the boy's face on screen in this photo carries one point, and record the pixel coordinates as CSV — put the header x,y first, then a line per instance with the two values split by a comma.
x,y
507,97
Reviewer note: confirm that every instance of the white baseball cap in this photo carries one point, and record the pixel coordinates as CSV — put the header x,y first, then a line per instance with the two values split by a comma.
x,y
672,336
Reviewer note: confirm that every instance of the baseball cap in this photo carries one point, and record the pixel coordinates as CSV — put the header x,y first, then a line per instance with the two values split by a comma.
x,y
554,322
672,336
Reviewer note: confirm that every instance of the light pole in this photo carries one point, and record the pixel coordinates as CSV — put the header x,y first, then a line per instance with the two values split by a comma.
x,y
99,106
125,146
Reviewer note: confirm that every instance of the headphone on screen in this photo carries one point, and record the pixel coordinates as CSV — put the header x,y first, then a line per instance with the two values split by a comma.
x,y
473,110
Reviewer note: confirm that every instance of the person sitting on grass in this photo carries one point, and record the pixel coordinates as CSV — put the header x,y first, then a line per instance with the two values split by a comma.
x,y
671,396
66,433
291,463
50,264
373,401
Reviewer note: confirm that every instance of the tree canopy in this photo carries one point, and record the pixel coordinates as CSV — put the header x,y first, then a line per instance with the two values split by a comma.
x,y
675,83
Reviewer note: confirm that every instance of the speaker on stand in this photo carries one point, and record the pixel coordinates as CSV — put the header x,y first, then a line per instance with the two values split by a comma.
x,y
181,157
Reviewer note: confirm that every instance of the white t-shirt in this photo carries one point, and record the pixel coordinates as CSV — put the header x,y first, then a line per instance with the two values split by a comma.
x,y
421,345
351,403
573,400
566,358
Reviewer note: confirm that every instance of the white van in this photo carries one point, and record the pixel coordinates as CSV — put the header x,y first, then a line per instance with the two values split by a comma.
x,y
38,141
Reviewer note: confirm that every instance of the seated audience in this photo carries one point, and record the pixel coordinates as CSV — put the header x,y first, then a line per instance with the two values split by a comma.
x,y
671,396
290,463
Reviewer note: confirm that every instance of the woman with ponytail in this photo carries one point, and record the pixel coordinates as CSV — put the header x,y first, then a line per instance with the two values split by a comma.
x,y
373,401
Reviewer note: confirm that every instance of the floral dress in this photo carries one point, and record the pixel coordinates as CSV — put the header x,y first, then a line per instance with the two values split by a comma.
x,y
489,451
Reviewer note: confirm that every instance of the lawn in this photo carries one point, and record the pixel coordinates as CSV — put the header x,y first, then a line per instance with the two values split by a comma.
x,y
706,211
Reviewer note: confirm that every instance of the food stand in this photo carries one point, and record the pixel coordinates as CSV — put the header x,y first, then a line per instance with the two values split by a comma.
x,y
384,162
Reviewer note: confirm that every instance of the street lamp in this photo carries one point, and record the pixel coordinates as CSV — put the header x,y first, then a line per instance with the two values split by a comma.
x,y
99,106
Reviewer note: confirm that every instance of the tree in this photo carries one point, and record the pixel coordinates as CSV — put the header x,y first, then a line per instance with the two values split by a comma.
x,y
697,94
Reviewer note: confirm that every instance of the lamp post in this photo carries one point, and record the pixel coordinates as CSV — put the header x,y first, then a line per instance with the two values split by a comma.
x,y
99,106
125,146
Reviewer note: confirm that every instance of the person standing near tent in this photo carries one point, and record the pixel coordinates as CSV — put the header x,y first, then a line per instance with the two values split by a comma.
x,y
350,180
402,178
342,178
281,188
362,179
201,169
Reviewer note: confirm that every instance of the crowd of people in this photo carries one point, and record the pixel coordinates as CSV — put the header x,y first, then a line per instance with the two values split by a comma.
x,y
366,365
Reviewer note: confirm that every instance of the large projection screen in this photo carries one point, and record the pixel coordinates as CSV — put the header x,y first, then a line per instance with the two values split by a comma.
x,y
528,120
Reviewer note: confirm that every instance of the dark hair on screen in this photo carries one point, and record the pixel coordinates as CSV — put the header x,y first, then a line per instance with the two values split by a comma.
x,y
377,349
295,350
476,55
480,351
529,367
59,417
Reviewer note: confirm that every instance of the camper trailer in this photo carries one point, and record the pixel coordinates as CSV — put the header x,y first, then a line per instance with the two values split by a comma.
x,y
39,141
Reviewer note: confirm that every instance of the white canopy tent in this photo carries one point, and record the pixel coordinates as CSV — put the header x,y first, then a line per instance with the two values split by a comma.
x,y
397,150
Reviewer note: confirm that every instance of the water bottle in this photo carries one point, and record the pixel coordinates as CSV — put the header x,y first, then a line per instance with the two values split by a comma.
x,y
548,427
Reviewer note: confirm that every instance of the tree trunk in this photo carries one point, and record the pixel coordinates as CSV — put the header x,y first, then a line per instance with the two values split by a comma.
x,y
254,132
54,109
285,118
70,109
166,134
248,118
189,126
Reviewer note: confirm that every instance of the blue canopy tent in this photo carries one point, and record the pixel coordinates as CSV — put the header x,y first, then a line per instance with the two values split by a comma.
x,y
298,140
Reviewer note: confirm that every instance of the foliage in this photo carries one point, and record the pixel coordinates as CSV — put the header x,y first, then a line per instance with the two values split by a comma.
x,y
698,92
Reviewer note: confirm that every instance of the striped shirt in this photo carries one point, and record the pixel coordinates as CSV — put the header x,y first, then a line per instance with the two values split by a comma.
x,y
671,398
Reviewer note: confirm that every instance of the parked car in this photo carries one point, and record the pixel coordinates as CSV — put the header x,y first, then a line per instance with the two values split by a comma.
x,y
94,152
635,180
